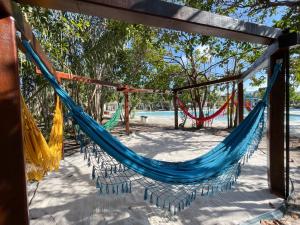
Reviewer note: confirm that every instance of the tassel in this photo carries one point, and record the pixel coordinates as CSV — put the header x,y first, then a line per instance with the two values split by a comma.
x,y
151,198
101,189
107,189
93,173
85,155
89,161
145,193
81,147
97,183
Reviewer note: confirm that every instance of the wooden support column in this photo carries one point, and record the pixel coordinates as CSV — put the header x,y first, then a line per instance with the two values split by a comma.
x,y
13,203
175,109
287,124
276,128
240,102
126,110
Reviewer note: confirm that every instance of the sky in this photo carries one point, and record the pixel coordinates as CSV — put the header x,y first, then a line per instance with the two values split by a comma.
x,y
268,22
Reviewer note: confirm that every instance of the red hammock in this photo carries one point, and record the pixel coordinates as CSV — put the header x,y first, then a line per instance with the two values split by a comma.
x,y
200,120
248,106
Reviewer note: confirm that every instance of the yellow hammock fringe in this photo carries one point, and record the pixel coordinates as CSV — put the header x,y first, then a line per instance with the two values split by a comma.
x,y
42,157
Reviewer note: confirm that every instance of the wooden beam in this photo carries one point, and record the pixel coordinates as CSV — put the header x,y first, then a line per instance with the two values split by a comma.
x,y
142,90
276,128
82,79
13,204
207,83
26,31
6,9
119,87
287,125
284,41
262,62
240,102
163,14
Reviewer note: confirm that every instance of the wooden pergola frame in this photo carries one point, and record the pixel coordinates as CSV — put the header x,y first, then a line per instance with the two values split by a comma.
x,y
126,89
13,205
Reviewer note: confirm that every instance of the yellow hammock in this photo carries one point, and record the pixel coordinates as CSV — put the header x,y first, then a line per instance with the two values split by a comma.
x,y
42,157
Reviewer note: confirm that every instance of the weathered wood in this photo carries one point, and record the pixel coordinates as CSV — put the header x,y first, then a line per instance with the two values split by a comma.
x,y
276,129
27,34
13,203
262,62
287,124
142,90
118,87
82,79
285,40
240,102
207,83
167,15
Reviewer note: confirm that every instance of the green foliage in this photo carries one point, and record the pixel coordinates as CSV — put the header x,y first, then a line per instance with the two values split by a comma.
x,y
146,57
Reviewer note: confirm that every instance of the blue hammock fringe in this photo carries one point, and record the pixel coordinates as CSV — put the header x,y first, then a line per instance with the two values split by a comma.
x,y
169,185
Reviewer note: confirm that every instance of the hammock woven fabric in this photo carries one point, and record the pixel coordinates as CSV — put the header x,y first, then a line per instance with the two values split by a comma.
x,y
114,120
42,157
201,120
167,184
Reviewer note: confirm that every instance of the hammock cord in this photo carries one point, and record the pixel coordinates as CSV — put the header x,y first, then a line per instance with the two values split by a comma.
x,y
203,119
42,157
170,185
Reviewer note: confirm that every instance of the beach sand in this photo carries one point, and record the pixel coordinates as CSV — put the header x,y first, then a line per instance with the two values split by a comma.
x,y
69,196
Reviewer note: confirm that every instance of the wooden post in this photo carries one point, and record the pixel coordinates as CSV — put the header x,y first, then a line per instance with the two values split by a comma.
x,y
240,102
276,128
13,203
126,110
175,109
287,125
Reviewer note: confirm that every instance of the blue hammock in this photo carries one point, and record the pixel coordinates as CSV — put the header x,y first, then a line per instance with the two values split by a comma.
x,y
223,160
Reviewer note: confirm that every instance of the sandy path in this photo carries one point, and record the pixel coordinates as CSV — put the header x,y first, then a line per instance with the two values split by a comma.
x,y
70,197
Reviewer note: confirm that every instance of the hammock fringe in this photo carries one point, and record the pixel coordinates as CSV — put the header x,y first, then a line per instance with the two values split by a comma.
x,y
167,185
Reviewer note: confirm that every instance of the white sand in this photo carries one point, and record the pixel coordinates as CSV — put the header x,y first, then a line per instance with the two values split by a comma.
x,y
70,197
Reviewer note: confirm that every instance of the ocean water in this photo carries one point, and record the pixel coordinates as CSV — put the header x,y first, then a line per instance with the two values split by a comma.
x,y
294,114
